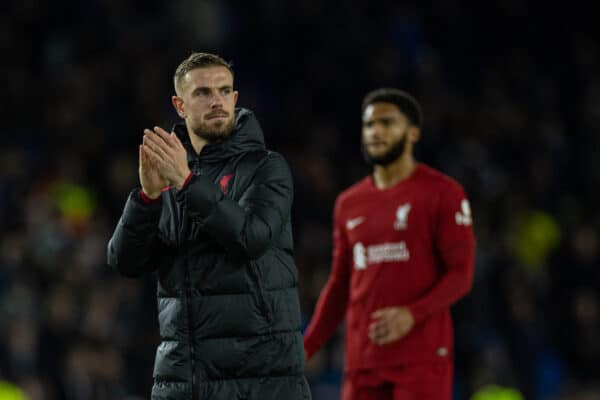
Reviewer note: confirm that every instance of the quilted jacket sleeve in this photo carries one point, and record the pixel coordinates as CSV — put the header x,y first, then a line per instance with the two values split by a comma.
x,y
134,243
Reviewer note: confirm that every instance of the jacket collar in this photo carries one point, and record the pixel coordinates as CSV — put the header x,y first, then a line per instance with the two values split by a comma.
x,y
246,136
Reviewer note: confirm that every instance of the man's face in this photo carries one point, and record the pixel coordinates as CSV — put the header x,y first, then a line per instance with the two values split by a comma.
x,y
384,133
206,100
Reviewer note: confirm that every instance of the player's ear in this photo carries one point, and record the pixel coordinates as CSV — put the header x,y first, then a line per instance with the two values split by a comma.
x,y
178,104
414,133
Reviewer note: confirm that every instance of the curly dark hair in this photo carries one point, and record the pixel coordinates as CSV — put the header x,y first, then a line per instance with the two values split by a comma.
x,y
407,104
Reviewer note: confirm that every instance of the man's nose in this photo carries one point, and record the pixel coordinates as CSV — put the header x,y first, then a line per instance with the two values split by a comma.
x,y
216,100
375,131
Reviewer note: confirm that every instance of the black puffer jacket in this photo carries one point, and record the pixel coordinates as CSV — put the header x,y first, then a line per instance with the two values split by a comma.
x,y
228,304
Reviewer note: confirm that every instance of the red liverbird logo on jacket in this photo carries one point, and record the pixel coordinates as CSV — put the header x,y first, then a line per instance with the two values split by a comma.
x,y
224,183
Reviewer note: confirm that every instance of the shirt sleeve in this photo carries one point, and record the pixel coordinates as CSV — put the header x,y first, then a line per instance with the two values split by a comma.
x,y
455,246
332,303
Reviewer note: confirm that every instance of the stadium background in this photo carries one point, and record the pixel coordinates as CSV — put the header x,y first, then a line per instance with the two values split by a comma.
x,y
511,96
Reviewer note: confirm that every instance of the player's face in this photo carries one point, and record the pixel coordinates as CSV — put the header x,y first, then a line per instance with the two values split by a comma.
x,y
208,102
384,133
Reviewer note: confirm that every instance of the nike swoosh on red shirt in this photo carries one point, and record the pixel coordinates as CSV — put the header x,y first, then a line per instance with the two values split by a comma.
x,y
354,222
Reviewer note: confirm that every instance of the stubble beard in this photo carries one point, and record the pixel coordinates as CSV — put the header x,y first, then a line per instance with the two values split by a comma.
x,y
216,133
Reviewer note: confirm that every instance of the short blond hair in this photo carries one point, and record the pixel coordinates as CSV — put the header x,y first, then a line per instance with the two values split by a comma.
x,y
198,60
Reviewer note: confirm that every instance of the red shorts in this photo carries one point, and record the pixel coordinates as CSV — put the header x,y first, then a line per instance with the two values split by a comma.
x,y
410,382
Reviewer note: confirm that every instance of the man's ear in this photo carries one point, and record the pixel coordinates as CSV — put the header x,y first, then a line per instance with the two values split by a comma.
x,y
179,106
414,133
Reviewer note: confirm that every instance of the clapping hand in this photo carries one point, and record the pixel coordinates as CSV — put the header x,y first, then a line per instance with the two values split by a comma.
x,y
150,179
167,153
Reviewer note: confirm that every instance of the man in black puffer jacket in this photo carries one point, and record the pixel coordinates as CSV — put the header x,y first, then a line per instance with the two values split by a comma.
x,y
212,217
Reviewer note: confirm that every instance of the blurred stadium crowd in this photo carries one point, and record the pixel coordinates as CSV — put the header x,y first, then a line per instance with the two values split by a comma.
x,y
511,100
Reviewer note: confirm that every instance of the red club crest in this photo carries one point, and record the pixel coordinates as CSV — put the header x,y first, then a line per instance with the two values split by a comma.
x,y
224,182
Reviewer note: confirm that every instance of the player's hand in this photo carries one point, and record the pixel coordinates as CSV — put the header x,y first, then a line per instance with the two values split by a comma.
x,y
169,155
390,324
150,179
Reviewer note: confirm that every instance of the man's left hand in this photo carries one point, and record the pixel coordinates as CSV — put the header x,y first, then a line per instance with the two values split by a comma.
x,y
390,324
168,154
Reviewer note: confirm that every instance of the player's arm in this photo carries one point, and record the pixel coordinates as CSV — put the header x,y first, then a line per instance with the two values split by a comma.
x,y
455,245
248,227
332,303
134,243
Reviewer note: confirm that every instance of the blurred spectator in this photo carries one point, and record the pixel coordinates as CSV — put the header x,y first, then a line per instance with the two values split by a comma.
x,y
9,391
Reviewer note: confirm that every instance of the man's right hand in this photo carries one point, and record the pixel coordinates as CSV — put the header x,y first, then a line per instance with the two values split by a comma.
x,y
151,181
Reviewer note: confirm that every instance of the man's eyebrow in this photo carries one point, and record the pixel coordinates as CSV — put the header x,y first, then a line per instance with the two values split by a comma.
x,y
380,118
215,87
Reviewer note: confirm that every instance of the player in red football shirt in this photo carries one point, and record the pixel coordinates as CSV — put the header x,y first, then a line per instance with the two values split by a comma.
x,y
403,254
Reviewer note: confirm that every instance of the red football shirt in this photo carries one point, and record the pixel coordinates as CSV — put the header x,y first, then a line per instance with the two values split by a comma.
x,y
409,245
